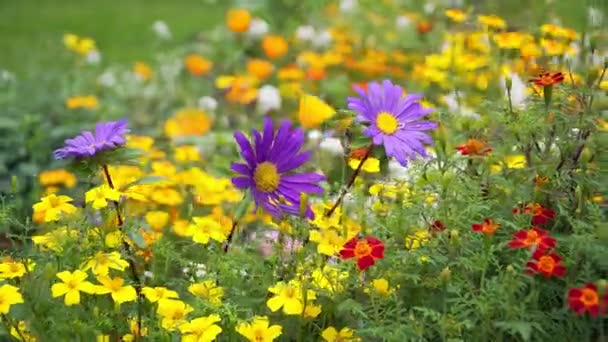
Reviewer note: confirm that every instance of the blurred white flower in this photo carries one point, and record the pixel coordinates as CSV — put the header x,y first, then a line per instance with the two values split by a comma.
x,y
403,22
315,135
396,171
595,17
161,29
348,5
257,28
207,103
6,76
148,274
269,98
332,145
107,79
93,57
429,8
451,101
322,39
518,89
305,33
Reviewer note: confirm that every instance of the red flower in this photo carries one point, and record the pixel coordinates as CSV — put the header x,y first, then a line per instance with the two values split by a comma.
x,y
437,227
540,215
548,79
587,299
546,264
533,237
366,250
488,226
474,147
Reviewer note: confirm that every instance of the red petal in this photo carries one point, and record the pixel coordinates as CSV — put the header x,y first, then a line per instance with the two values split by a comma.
x,y
378,251
516,244
347,253
538,253
577,306
594,310
365,262
351,244
477,227
548,213
575,293
539,219
548,242
521,235
372,241
540,232
591,286
555,257
559,271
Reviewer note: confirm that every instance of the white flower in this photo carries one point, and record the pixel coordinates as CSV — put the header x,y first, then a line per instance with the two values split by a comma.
x,y
107,79
403,22
269,98
332,145
347,5
396,171
315,135
594,16
93,57
322,39
161,29
257,28
429,8
305,33
148,274
518,89
207,103
451,100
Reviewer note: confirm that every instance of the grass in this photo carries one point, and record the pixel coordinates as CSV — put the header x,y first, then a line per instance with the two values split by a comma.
x,y
31,30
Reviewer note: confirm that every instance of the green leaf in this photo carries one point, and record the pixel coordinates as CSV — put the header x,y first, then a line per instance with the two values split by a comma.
x,y
241,209
524,329
137,238
145,180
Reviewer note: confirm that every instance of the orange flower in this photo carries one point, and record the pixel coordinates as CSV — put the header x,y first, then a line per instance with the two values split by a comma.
x,y
587,299
547,79
316,74
474,147
533,237
238,20
488,226
366,250
540,181
259,68
546,264
540,215
274,46
197,65
424,27
142,70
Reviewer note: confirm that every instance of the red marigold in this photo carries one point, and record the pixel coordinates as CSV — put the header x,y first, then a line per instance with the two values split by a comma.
x,y
488,226
540,215
587,299
533,237
437,227
546,264
366,250
548,79
474,147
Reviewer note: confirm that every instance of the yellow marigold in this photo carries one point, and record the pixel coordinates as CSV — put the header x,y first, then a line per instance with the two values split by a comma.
x,y
238,20
331,334
54,207
142,70
371,165
274,46
86,102
187,153
187,122
417,239
313,111
197,65
456,15
157,219
167,196
9,296
259,68
492,21
259,330
57,177
208,290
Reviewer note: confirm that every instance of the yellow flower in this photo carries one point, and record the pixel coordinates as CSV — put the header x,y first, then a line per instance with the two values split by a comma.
x,y
53,206
322,222
371,165
142,70
329,242
331,334
260,68
100,195
57,177
313,111
87,102
381,287
205,228
182,228
101,263
113,239
202,329
187,153
197,65
187,122
517,161
290,297
55,239
456,15
167,196
238,20
14,269
157,219
173,313
419,238
114,286
311,310
492,21
329,278
259,330
9,295
208,290
23,333
72,284
134,328
154,294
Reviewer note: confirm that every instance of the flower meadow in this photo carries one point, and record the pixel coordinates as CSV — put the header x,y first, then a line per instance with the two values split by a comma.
x,y
380,171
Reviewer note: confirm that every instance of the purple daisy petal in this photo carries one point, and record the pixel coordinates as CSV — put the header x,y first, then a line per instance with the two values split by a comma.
x,y
108,135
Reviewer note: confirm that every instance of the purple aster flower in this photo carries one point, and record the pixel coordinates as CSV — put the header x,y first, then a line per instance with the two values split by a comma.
x,y
107,136
394,120
268,172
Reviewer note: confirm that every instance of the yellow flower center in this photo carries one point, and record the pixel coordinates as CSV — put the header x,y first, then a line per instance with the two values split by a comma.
x,y
290,292
266,177
387,123
72,284
259,335
54,202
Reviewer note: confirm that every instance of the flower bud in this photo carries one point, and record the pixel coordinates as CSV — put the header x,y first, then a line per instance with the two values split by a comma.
x,y
508,83
602,286
510,269
445,274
